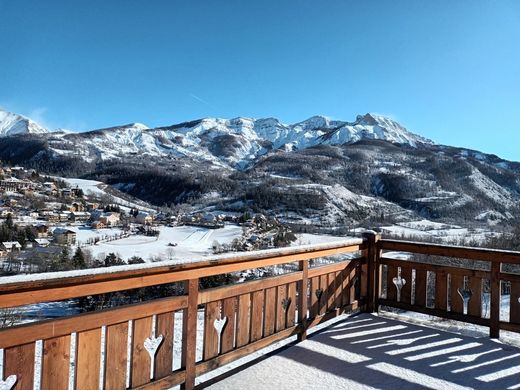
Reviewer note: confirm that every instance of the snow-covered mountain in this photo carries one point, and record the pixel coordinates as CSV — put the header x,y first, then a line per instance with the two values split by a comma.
x,y
231,143
11,123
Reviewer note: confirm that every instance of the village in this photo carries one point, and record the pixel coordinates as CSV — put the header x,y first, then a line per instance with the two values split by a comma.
x,y
50,223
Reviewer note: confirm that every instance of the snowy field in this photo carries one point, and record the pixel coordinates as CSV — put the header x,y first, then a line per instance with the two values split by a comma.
x,y
192,243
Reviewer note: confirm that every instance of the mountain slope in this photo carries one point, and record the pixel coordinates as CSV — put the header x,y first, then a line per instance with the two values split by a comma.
x,y
11,123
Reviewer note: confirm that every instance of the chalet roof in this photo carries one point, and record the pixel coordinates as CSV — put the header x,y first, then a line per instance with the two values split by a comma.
x,y
11,244
60,231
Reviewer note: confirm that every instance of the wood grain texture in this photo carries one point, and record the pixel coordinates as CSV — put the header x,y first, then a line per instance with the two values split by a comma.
x,y
269,311
420,287
19,361
141,360
457,281
243,322
441,291
281,296
324,287
88,359
163,359
55,363
514,304
116,356
229,308
475,303
406,291
391,290
291,310
211,336
257,315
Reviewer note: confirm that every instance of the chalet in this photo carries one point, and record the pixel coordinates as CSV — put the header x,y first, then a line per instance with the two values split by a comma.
x,y
11,246
144,218
13,184
97,225
80,216
64,216
110,219
64,236
42,231
77,206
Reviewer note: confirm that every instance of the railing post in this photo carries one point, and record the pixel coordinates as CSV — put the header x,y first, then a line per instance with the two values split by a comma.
x,y
494,300
373,254
189,332
303,299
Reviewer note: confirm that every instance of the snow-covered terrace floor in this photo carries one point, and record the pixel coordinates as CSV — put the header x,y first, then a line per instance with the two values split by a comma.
x,y
369,351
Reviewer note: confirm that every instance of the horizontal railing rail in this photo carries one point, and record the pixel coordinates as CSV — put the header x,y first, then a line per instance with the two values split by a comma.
x,y
154,344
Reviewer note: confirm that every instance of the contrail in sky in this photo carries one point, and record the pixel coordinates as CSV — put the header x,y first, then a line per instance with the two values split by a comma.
x,y
202,100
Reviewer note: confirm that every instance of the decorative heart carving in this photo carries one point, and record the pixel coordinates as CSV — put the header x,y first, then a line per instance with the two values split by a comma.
x,y
219,324
465,293
9,383
151,344
399,282
286,302
319,293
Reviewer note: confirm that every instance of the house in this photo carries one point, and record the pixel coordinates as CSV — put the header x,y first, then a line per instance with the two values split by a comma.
x,y
11,246
42,231
64,216
80,216
76,206
41,242
110,219
144,218
97,225
64,236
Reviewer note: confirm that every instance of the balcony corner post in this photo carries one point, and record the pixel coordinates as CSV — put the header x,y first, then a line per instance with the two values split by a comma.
x,y
303,299
371,239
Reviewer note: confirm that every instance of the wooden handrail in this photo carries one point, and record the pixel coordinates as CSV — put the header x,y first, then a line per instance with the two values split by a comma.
x,y
470,253
20,290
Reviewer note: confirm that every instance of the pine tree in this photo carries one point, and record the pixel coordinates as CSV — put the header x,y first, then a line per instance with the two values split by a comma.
x,y
78,260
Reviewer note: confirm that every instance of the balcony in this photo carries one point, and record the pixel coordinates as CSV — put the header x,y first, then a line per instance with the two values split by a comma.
x,y
186,338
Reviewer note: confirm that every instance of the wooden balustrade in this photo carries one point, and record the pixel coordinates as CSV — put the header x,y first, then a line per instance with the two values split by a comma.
x,y
169,341
135,346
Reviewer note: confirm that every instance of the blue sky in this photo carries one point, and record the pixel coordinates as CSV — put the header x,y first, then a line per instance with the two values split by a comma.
x,y
448,70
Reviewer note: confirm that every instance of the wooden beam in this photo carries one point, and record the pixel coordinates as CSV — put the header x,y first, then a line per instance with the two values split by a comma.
x,y
189,334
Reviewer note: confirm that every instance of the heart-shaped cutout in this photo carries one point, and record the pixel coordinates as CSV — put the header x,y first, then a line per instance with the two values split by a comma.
x,y
465,293
219,324
9,383
151,344
286,302
399,282
319,293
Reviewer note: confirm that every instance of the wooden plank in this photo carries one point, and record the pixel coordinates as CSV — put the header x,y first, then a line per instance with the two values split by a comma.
x,y
88,355
354,282
314,308
218,293
331,291
269,311
338,277
228,334
475,303
391,290
304,296
281,300
257,313
441,291
514,304
189,334
60,288
116,356
211,336
243,322
53,328
291,309
19,361
175,378
345,287
457,281
420,287
334,267
165,323
492,255
141,361
55,363
322,303
494,318
406,291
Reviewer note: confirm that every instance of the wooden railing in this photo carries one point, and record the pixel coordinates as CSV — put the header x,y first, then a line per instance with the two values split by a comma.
x,y
142,346
136,346
458,283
